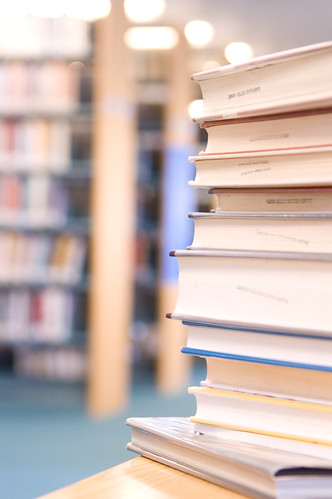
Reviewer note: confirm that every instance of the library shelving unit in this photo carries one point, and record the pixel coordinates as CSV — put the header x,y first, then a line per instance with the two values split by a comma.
x,y
148,180
76,182
45,128
150,95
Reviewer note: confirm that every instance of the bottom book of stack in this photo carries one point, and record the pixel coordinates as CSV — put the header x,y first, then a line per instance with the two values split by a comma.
x,y
259,466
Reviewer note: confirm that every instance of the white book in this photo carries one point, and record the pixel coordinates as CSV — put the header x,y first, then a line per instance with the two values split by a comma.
x,y
280,132
280,291
292,231
288,168
290,80
264,414
254,470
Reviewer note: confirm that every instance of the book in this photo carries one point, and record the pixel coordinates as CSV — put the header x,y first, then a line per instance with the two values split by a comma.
x,y
288,231
286,199
67,259
277,132
288,168
268,441
265,376
254,470
278,416
288,80
266,290
296,350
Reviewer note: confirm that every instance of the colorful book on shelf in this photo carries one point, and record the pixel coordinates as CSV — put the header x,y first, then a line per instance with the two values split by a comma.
x,y
277,416
264,169
266,290
255,470
289,80
288,231
277,132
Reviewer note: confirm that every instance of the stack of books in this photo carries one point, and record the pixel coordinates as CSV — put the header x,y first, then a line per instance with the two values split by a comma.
x,y
255,286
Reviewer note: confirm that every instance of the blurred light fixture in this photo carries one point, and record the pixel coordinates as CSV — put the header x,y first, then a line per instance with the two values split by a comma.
x,y
14,8
151,38
195,108
139,11
199,33
42,8
237,52
87,10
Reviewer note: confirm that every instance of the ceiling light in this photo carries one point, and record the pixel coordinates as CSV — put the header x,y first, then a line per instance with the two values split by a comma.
x,y
151,38
79,9
88,10
198,33
14,8
237,52
143,10
42,8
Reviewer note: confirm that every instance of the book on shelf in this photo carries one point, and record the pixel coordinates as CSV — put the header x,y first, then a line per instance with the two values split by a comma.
x,y
254,470
35,144
289,168
67,259
46,316
277,132
41,37
267,290
277,416
288,231
289,80
41,258
58,363
38,86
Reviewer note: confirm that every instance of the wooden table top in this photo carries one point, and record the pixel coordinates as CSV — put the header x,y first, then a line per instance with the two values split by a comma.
x,y
142,478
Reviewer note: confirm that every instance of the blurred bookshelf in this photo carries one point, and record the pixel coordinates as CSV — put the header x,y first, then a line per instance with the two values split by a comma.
x,y
152,92
45,177
46,205
148,192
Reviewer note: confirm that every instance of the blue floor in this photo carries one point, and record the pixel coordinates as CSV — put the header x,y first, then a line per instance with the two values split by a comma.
x,y
47,440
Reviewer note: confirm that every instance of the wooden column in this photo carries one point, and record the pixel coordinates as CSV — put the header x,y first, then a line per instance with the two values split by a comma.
x,y
178,198
112,209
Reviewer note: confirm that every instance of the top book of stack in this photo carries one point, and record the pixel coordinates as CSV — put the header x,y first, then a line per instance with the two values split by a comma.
x,y
287,81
